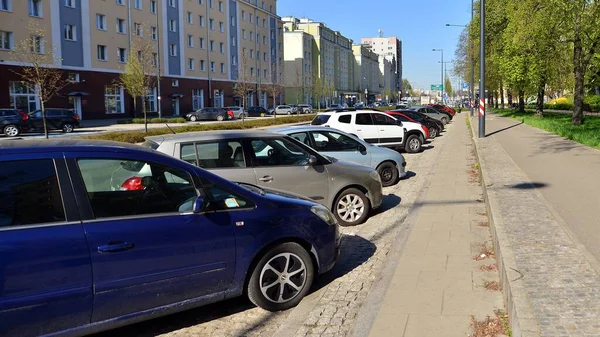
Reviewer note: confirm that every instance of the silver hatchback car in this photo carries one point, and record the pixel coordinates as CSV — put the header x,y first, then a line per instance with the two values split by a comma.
x,y
279,162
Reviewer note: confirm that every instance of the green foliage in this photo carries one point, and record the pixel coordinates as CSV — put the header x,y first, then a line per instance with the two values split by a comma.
x,y
561,125
138,136
175,120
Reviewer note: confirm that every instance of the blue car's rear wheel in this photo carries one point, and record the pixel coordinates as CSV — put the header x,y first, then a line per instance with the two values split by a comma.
x,y
282,277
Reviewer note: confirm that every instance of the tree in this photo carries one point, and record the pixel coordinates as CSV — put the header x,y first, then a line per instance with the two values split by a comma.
x,y
298,81
39,70
245,81
140,72
275,88
318,90
448,87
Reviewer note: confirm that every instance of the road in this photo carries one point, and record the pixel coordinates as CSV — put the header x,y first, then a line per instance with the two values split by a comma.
x,y
564,172
336,298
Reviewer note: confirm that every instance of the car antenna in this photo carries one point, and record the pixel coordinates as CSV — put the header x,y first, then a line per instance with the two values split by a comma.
x,y
168,127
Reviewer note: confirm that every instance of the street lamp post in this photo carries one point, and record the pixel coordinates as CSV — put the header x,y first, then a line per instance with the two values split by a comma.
x,y
444,71
442,93
482,70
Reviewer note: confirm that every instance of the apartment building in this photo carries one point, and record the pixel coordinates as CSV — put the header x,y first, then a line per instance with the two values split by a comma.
x,y
196,44
332,58
391,49
298,62
367,77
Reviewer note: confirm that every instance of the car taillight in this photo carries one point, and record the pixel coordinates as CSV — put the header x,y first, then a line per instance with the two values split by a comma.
x,y
426,130
133,184
23,115
75,117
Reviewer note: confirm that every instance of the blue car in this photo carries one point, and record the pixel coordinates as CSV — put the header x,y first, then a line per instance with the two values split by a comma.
x,y
331,142
96,235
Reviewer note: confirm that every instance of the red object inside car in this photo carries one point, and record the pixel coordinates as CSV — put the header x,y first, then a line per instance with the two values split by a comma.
x,y
230,114
132,184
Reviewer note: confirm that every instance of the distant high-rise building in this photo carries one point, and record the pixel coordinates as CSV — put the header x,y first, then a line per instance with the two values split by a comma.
x,y
391,49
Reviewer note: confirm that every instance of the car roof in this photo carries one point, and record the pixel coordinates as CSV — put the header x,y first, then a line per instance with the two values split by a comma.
x,y
210,135
332,113
20,145
302,128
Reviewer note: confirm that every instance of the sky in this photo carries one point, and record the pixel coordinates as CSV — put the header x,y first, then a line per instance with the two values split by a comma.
x,y
420,25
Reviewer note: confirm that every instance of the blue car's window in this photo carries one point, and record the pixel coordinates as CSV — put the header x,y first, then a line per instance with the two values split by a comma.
x,y
117,187
220,198
29,193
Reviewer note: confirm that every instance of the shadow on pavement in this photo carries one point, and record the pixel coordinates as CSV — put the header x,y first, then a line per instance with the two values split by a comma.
x,y
430,147
504,129
409,174
528,186
389,201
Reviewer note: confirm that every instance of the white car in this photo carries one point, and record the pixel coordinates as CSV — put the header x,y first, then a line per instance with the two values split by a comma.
x,y
284,110
376,128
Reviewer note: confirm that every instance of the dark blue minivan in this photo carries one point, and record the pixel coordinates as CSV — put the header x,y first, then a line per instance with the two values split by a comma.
x,y
96,235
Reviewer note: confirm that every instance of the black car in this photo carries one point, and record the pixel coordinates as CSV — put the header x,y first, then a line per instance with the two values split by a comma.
x,y
419,117
13,122
56,119
209,114
257,111
434,130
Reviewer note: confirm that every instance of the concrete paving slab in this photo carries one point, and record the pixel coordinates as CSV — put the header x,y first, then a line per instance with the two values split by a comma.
x,y
436,326
481,303
462,280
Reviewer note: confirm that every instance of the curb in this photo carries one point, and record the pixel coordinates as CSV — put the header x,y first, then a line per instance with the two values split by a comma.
x,y
522,319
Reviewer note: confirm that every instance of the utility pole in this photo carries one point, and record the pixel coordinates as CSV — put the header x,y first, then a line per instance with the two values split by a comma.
x,y
482,71
442,91
472,100
158,45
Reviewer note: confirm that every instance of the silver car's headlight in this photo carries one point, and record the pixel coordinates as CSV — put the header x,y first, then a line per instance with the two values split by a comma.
x,y
375,176
325,215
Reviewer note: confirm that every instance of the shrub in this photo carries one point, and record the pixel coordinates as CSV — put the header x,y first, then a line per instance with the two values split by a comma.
x,y
138,136
559,106
592,100
560,100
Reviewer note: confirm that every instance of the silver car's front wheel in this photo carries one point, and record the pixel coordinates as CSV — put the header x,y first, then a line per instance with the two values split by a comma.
x,y
352,207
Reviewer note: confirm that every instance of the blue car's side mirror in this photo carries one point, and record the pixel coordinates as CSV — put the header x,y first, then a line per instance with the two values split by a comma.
x,y
199,205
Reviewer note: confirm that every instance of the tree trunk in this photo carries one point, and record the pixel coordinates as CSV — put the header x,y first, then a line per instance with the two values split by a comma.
x,y
145,116
496,99
502,95
510,98
579,73
44,116
539,110
521,101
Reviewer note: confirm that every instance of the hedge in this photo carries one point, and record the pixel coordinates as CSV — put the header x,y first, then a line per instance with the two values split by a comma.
x,y
177,120
138,136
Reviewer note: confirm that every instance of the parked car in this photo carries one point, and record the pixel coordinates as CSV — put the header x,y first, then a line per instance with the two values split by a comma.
x,y
89,243
209,114
306,108
257,111
284,110
376,127
433,128
14,121
419,116
238,111
390,164
337,107
433,113
295,109
56,119
278,161
444,108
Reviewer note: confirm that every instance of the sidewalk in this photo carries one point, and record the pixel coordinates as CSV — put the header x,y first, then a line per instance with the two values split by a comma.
x,y
437,284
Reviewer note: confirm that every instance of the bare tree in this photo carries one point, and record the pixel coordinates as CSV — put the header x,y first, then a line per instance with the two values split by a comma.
x,y
140,74
275,89
298,81
245,81
39,70
318,90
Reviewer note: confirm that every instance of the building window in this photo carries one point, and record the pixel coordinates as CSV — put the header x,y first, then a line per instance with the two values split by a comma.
x,y
251,18
212,45
191,64
138,4
211,24
121,26
251,36
172,3
233,43
190,19
202,65
35,8
150,101
264,6
232,20
191,41
101,53
173,49
212,67
221,27
265,40
73,77
221,47
251,71
155,59
211,3
153,6
265,73
154,32
138,29
200,2
201,20
251,53
121,2
121,55
197,99
22,96
264,56
244,15
201,43
222,68
70,33
264,23
243,34
233,60
113,99
70,3
101,21
221,6
173,25
37,44
6,40
6,5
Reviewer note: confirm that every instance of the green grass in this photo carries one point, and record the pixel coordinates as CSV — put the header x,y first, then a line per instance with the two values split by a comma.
x,y
588,133
138,136
177,120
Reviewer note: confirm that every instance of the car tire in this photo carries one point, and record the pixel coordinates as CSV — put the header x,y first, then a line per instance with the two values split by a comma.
x,y
388,173
11,131
433,132
413,144
444,120
220,118
265,285
193,118
68,128
349,200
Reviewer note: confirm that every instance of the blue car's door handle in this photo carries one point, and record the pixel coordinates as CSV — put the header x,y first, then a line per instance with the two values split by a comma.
x,y
115,247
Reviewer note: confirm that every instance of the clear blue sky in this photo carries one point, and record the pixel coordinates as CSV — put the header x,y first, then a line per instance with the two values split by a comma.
x,y
420,25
